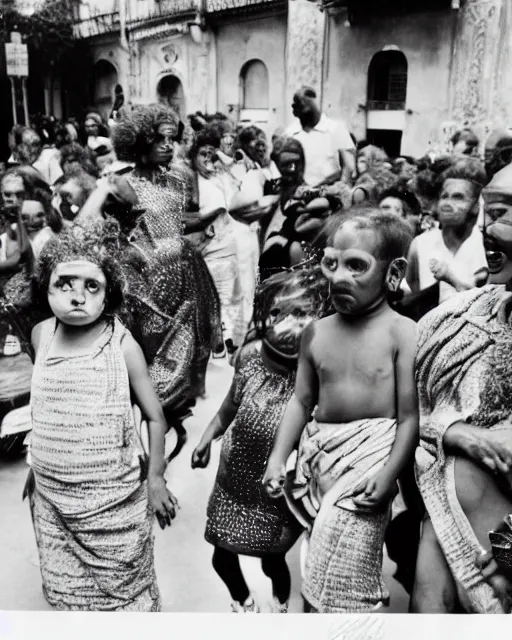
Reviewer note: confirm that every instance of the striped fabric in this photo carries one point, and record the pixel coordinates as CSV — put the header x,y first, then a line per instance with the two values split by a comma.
x,y
91,517
343,568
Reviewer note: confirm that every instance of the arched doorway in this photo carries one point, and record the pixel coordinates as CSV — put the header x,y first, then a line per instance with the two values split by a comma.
x,y
170,92
105,80
254,92
387,95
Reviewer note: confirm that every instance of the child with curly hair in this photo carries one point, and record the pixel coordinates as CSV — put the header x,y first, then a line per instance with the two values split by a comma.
x,y
94,493
241,518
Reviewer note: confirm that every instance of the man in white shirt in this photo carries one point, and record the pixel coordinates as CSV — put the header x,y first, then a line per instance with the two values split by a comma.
x,y
328,147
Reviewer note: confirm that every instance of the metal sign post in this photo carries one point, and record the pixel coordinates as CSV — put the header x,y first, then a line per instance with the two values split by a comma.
x,y
16,56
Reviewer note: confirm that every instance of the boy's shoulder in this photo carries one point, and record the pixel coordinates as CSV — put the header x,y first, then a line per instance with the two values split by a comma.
x,y
402,328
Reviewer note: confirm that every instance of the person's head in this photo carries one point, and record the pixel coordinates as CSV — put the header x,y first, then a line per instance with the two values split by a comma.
x,y
17,184
36,210
62,135
203,154
497,197
75,158
253,142
403,203
93,124
71,193
370,158
285,304
305,105
31,146
461,184
465,142
405,167
78,274
103,152
291,161
498,151
146,135
364,258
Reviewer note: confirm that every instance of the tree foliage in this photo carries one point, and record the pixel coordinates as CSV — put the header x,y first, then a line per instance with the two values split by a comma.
x,y
48,31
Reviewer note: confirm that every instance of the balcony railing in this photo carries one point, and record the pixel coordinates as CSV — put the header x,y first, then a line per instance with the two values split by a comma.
x,y
164,9
385,105
97,25
219,6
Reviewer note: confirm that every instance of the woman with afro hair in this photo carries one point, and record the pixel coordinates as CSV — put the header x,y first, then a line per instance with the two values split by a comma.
x,y
172,305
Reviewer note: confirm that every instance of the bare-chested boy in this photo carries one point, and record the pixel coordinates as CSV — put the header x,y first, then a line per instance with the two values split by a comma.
x,y
356,372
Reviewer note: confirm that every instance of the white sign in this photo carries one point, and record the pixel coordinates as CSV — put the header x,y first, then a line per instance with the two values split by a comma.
x,y
16,56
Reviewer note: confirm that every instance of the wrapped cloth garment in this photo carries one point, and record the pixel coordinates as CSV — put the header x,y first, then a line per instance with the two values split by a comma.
x,y
343,569
172,306
90,508
463,373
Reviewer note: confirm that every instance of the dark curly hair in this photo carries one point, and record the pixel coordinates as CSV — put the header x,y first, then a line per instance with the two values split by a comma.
x,y
136,130
311,278
98,243
209,136
466,168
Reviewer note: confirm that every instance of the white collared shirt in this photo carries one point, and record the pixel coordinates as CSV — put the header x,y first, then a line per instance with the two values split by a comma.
x,y
322,146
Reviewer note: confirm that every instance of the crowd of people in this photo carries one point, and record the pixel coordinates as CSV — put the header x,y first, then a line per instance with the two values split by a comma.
x,y
135,252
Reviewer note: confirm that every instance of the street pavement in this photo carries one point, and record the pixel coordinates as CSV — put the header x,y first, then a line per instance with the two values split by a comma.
x,y
186,578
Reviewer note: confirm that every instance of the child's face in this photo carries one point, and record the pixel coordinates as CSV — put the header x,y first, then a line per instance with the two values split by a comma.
x,y
77,292
355,275
456,206
33,216
291,312
13,193
290,165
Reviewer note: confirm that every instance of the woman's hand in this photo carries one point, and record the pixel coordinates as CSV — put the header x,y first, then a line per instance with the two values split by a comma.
x,y
201,455
162,501
274,478
491,448
377,490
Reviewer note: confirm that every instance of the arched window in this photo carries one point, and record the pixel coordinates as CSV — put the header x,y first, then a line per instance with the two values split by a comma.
x,y
387,81
254,85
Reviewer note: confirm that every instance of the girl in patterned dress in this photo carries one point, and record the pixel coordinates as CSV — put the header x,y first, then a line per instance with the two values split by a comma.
x,y
241,519
93,493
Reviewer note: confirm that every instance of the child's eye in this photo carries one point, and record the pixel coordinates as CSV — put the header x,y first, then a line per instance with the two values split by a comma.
x,y
274,312
357,265
63,286
92,286
330,263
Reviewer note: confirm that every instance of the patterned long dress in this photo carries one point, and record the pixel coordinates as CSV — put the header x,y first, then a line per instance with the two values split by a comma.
x,y
90,509
240,515
172,305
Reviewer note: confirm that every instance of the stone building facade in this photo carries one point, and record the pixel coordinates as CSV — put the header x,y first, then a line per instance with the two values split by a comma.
x,y
403,74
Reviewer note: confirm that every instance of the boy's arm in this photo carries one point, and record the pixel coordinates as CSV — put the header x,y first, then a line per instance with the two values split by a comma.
x,y
407,433
301,403
161,499
412,275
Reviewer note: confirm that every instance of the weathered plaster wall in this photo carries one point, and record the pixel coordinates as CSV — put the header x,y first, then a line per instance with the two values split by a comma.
x,y
425,39
481,82
177,55
263,39
107,48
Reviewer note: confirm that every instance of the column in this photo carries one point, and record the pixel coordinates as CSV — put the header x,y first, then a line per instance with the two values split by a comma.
x,y
304,48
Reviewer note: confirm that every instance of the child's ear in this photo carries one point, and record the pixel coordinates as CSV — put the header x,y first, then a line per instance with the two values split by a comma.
x,y
395,274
